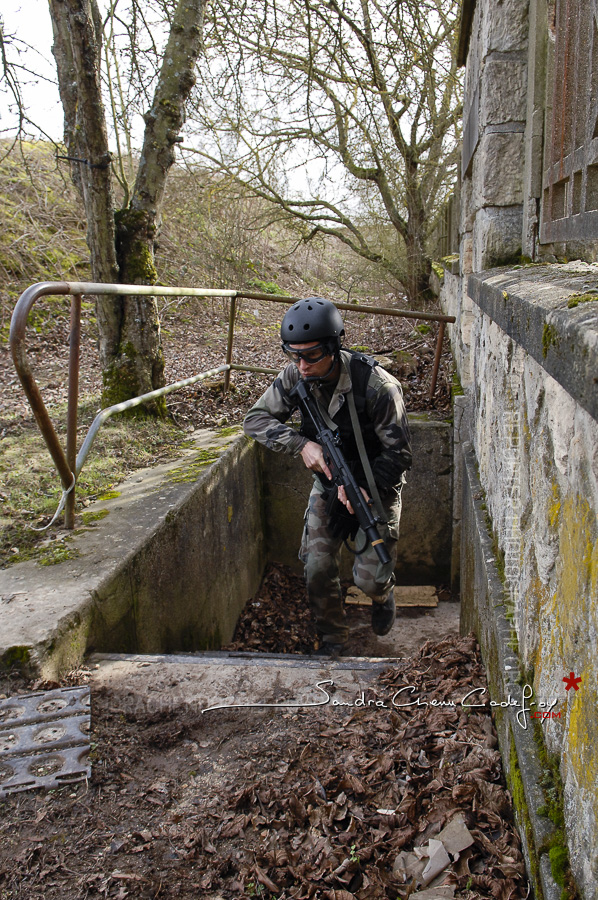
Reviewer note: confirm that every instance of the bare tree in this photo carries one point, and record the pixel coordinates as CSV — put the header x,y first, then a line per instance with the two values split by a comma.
x,y
365,89
122,244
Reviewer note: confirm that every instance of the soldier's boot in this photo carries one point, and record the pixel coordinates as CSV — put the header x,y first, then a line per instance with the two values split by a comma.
x,y
384,614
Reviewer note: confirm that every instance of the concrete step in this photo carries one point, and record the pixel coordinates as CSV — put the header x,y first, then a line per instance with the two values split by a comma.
x,y
159,684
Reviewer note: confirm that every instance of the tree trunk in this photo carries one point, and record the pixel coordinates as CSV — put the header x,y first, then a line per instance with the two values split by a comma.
x,y
77,48
419,265
140,364
122,245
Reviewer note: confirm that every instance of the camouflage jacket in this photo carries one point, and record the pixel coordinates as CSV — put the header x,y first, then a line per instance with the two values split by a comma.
x,y
385,408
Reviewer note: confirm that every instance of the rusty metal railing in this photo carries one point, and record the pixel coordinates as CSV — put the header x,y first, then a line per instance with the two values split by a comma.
x,y
69,463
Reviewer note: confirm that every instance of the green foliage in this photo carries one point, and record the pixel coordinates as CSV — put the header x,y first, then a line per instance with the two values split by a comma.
x,y
268,287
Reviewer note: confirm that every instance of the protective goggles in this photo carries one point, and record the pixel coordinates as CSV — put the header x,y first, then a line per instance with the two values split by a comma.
x,y
312,355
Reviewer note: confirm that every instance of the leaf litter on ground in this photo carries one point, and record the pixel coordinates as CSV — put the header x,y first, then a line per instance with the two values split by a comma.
x,y
308,803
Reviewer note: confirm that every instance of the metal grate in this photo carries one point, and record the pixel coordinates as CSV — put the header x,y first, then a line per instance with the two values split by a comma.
x,y
44,740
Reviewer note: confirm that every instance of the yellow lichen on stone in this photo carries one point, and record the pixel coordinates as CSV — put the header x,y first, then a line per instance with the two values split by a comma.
x,y
555,507
581,750
538,601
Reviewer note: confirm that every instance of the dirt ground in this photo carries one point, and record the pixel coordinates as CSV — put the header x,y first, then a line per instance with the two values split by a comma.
x,y
326,802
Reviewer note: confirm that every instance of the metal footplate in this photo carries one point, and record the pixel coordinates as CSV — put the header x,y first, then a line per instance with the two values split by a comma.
x,y
44,740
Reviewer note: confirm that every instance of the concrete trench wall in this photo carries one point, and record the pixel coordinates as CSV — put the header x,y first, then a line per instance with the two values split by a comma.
x,y
184,546
169,567
426,518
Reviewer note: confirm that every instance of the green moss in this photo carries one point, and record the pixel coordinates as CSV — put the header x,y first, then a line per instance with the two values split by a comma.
x,y
424,328
109,495
134,230
56,554
361,348
89,517
553,809
227,432
16,657
520,804
438,270
456,386
191,470
576,299
559,864
550,338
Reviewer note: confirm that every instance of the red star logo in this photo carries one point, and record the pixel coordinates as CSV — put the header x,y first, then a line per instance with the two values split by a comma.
x,y
571,681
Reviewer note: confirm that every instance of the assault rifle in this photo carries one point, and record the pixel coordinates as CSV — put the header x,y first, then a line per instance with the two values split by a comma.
x,y
339,468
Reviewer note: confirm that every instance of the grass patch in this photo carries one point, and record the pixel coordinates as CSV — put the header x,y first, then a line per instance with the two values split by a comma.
x,y
31,488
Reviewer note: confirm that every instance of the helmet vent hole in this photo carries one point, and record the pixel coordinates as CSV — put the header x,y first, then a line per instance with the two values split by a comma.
x,y
291,327
306,327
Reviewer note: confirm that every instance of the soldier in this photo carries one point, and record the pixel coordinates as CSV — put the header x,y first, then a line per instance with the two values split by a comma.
x,y
311,333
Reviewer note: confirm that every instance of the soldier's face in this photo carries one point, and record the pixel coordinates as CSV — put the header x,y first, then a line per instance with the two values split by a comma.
x,y
310,369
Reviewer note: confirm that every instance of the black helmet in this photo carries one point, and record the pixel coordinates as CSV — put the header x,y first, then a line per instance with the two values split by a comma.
x,y
313,319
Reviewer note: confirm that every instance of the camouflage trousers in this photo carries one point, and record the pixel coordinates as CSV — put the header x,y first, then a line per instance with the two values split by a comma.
x,y
320,554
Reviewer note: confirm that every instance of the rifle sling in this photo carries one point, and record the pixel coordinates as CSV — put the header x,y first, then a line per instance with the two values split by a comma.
x,y
364,457
374,494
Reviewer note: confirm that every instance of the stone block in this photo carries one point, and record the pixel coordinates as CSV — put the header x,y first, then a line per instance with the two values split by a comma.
x,y
503,90
498,170
466,261
504,26
467,208
497,236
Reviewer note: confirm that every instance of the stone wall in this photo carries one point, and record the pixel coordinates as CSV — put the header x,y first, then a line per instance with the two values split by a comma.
x,y
495,111
526,348
531,409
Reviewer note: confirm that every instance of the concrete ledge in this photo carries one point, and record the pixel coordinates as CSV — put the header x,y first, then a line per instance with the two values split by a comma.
x,y
531,305
170,566
483,611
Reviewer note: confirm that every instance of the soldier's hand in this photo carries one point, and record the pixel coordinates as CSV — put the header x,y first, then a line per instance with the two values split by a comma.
x,y
342,496
313,458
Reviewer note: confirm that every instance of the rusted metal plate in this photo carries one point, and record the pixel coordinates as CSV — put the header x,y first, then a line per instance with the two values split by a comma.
x,y
44,739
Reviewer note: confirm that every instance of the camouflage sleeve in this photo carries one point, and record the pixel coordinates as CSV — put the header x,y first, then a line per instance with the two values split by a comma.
x,y
265,420
385,404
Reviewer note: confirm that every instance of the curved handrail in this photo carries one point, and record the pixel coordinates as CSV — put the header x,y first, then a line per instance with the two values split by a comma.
x,y
69,464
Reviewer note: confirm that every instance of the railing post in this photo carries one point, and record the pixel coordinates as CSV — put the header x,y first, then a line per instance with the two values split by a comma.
x,y
229,344
73,400
437,359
